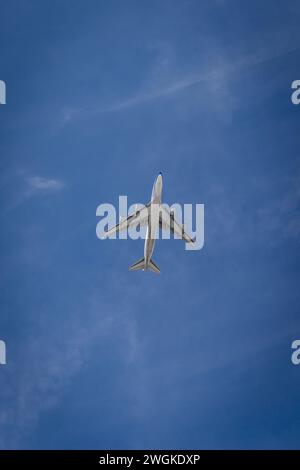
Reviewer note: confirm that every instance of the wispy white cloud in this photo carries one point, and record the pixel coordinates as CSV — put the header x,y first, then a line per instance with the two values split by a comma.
x,y
275,220
54,356
163,82
32,186
280,217
39,183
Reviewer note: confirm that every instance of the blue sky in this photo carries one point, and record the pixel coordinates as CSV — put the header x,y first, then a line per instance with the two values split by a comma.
x,y
101,96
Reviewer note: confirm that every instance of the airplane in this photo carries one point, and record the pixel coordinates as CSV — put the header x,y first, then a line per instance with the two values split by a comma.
x,y
155,216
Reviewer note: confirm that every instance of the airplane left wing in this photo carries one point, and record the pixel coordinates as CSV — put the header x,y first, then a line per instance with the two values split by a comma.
x,y
168,222
140,216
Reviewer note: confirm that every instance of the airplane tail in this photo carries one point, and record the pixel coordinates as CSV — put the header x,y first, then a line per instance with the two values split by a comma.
x,y
140,264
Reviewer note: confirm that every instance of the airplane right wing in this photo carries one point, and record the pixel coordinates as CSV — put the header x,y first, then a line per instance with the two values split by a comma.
x,y
168,222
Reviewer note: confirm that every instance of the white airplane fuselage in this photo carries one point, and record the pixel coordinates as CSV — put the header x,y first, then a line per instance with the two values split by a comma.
x,y
153,219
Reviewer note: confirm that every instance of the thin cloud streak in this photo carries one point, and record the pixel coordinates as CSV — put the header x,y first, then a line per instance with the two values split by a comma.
x,y
43,184
219,73
32,186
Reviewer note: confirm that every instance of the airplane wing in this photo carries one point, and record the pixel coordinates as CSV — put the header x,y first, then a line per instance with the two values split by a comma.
x,y
139,217
168,222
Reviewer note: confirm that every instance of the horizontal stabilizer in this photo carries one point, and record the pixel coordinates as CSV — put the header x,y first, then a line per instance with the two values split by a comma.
x,y
154,267
140,264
